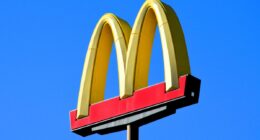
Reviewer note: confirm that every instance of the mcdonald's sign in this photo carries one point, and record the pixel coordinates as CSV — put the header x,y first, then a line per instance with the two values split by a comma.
x,y
137,103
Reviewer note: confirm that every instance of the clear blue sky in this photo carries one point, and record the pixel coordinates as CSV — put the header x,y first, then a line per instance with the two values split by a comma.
x,y
43,46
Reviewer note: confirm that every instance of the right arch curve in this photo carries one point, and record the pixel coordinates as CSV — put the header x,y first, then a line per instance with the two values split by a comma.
x,y
176,62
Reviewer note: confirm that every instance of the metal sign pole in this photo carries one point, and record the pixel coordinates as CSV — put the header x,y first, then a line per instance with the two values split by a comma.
x,y
132,132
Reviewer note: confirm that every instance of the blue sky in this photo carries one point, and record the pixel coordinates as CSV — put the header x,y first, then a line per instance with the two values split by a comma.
x,y
43,46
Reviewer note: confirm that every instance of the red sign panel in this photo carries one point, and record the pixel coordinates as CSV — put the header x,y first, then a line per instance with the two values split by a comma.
x,y
142,100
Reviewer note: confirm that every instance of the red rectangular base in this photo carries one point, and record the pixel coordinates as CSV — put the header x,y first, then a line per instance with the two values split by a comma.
x,y
142,100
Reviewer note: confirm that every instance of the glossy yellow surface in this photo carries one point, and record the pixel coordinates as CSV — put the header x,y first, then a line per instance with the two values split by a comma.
x,y
133,55
108,30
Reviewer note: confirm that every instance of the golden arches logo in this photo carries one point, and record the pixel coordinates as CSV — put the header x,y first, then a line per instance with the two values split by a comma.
x,y
133,50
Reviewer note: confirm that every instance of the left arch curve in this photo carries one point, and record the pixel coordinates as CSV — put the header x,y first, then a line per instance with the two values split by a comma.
x,y
109,29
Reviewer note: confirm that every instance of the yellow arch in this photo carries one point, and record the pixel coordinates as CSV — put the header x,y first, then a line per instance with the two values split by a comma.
x,y
175,55
109,29
133,64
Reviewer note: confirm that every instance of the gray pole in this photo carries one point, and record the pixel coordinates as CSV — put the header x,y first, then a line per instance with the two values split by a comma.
x,y
132,132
